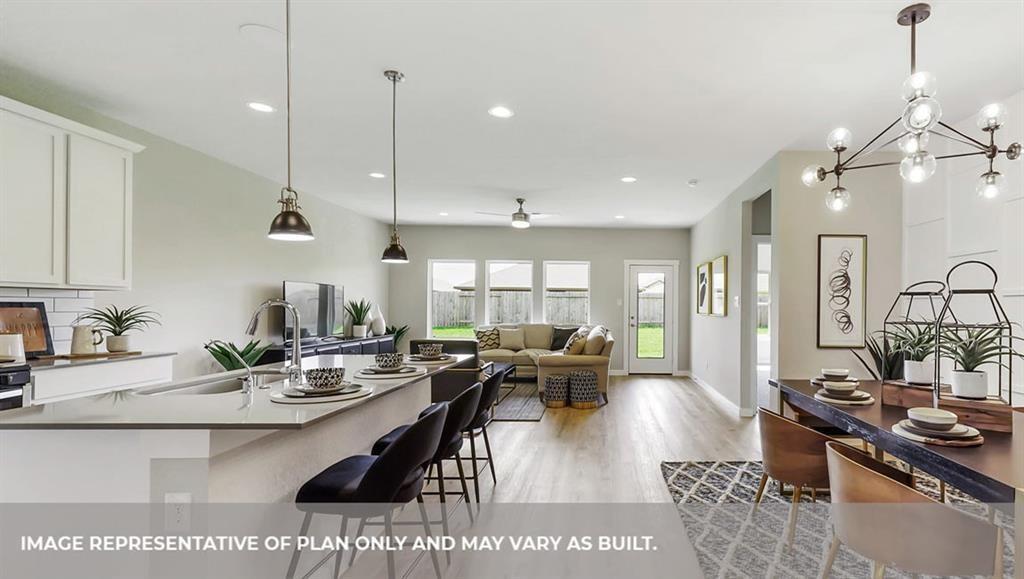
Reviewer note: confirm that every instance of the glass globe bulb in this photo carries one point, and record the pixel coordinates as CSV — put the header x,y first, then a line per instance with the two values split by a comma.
x,y
812,175
838,199
839,139
919,84
911,143
921,114
991,185
991,116
918,167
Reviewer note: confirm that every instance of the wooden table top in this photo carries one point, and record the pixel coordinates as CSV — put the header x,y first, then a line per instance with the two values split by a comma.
x,y
990,472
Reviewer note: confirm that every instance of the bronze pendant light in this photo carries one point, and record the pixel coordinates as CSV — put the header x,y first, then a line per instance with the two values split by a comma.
x,y
394,253
289,224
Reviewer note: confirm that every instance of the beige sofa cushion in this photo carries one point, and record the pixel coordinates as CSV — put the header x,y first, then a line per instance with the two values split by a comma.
x,y
511,339
497,355
529,356
538,335
595,341
574,346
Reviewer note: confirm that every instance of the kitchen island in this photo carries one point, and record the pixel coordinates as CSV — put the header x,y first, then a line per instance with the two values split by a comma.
x,y
199,440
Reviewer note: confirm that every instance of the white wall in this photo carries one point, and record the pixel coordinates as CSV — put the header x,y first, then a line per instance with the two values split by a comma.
x,y
946,223
201,256
721,352
605,249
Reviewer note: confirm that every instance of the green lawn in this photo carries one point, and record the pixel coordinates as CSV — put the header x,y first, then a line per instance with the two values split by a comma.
x,y
763,331
454,332
650,341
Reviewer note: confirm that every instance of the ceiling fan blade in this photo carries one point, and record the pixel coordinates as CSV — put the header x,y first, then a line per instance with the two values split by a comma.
x,y
492,213
542,215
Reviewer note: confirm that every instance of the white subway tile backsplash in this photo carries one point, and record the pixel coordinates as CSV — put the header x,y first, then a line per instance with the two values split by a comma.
x,y
13,292
86,294
60,333
53,293
72,304
47,302
62,318
62,347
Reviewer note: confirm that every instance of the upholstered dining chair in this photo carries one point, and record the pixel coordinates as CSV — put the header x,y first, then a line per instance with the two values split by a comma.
x,y
792,454
919,534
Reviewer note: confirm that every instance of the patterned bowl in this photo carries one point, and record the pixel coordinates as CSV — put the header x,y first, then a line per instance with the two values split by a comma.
x,y
431,350
389,360
324,378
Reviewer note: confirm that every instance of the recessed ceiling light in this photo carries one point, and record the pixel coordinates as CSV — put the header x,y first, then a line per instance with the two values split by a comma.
x,y
378,175
693,183
620,216
628,179
502,112
261,107
443,214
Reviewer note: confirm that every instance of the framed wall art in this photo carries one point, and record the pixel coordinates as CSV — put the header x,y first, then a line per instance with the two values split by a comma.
x,y
704,288
842,290
720,286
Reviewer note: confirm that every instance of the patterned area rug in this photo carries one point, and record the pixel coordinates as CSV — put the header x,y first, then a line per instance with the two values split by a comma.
x,y
520,404
732,540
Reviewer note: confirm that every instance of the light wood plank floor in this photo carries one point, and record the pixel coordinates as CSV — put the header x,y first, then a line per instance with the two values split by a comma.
x,y
614,453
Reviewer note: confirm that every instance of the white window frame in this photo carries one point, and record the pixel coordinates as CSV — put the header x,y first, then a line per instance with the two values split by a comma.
x,y
430,289
544,284
487,287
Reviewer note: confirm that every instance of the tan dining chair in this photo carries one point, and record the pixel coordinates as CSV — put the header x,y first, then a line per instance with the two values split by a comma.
x,y
877,513
792,454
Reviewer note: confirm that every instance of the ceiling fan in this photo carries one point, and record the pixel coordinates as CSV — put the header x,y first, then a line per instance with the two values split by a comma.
x,y
520,219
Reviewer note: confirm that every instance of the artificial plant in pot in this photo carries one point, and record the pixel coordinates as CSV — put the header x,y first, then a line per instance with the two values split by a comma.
x,y
888,361
117,323
398,331
359,312
970,349
916,341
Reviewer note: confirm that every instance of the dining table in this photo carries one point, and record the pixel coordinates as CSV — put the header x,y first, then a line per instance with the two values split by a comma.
x,y
991,473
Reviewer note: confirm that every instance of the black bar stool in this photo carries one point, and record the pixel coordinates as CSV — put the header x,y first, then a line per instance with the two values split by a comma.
x,y
478,425
461,411
368,486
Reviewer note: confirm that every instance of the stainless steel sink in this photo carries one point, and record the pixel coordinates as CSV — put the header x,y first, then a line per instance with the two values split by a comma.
x,y
218,386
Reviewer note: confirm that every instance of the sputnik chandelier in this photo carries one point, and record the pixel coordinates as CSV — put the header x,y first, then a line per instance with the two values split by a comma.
x,y
921,120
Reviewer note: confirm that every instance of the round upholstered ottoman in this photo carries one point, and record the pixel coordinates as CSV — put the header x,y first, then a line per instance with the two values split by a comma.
x,y
556,390
583,389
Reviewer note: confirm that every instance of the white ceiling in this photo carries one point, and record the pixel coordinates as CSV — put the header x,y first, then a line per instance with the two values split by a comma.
x,y
664,91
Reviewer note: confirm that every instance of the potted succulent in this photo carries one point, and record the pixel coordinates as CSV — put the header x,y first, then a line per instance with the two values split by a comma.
x,y
970,349
360,314
887,360
916,342
251,353
398,331
117,323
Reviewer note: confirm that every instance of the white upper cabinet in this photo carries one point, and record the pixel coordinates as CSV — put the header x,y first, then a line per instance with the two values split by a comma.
x,y
65,202
32,201
99,214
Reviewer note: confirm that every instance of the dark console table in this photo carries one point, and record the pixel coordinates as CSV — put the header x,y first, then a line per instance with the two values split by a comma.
x,y
325,346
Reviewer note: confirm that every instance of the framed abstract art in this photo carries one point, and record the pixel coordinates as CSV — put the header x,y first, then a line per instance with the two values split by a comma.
x,y
842,290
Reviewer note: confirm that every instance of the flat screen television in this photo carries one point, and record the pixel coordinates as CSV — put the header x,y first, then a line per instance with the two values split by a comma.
x,y
320,306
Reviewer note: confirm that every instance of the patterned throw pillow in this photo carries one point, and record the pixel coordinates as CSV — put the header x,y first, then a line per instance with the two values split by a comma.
x,y
560,336
576,342
488,339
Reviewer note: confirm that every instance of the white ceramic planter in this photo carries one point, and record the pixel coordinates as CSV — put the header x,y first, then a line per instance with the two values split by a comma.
x,y
919,372
972,385
118,343
359,331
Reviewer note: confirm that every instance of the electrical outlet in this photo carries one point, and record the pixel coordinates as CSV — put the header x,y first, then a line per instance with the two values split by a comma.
x,y
177,511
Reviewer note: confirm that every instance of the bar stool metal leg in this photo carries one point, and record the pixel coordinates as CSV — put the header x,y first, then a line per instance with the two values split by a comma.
x,y
465,489
390,533
359,533
341,554
490,456
476,472
426,529
303,529
444,508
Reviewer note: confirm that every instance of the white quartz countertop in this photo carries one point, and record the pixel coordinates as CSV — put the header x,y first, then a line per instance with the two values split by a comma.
x,y
132,409
54,363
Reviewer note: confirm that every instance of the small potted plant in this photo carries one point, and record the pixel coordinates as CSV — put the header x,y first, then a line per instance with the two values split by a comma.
x,y
916,342
888,361
251,353
360,314
398,331
117,323
970,349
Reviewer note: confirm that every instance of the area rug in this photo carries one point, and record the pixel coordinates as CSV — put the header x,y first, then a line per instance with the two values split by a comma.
x,y
714,500
520,404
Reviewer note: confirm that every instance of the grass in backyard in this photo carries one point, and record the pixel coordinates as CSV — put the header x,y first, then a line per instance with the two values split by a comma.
x,y
453,332
762,331
650,341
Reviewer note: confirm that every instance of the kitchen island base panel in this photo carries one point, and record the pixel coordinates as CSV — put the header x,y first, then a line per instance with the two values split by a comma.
x,y
216,465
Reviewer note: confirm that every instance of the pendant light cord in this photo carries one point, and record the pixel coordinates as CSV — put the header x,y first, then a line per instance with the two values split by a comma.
x,y
394,154
288,93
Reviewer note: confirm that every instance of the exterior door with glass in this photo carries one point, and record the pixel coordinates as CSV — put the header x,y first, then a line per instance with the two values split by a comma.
x,y
651,319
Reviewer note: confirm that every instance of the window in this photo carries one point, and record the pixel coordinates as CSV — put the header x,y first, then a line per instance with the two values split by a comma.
x,y
650,307
509,292
567,292
452,299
